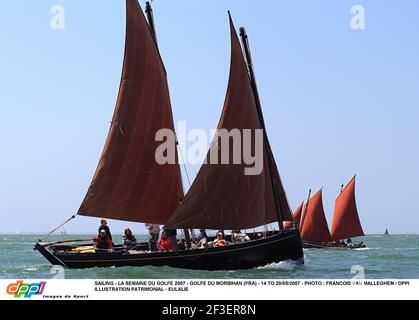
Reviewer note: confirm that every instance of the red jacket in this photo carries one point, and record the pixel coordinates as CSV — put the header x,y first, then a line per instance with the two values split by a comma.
x,y
165,245
103,242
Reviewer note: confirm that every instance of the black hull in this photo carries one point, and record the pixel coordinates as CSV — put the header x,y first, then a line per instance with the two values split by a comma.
x,y
310,245
282,246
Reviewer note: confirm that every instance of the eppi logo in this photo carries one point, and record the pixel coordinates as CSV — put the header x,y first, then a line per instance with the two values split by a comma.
x,y
27,290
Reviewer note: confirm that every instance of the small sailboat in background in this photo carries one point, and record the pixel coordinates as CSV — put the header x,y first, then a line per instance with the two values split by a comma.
x,y
386,233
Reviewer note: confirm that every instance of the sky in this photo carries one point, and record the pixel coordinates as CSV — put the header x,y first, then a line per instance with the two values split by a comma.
x,y
337,101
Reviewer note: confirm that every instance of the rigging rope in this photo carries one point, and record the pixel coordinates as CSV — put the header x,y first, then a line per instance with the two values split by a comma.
x,y
184,164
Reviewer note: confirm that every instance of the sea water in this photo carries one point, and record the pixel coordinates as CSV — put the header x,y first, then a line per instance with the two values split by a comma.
x,y
386,257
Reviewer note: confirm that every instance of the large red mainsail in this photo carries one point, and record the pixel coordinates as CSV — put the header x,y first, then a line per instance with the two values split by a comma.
x,y
222,196
129,184
346,223
314,226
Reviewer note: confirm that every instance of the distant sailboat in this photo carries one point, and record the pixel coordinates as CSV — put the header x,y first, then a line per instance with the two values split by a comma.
x,y
386,233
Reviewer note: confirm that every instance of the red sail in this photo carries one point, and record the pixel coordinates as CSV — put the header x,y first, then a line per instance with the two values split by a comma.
x,y
222,196
129,184
296,218
346,222
297,213
314,226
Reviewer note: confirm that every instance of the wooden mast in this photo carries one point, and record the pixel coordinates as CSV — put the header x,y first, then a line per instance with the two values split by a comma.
x,y
305,210
150,18
246,47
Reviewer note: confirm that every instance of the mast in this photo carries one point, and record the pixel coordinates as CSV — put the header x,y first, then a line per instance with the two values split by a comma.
x,y
150,18
305,209
152,25
246,46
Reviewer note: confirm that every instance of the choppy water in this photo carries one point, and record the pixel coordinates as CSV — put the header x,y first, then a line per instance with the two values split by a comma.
x,y
386,257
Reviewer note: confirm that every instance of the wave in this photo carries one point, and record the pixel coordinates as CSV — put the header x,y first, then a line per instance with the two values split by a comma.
x,y
362,249
31,269
287,265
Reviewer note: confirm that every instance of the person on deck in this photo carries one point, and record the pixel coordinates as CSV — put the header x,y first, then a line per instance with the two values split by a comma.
x,y
102,241
260,235
129,240
164,244
202,238
349,243
171,235
104,226
154,232
201,241
238,237
219,241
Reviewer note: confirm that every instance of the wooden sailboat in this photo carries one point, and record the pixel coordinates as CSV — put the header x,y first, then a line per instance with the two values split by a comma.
x,y
129,185
345,225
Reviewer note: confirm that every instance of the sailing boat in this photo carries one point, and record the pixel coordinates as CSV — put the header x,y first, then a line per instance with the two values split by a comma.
x,y
386,233
345,225
129,185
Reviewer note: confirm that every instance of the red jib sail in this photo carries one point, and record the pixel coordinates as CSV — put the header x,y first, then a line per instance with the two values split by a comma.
x,y
222,196
296,217
129,184
297,213
346,222
314,226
